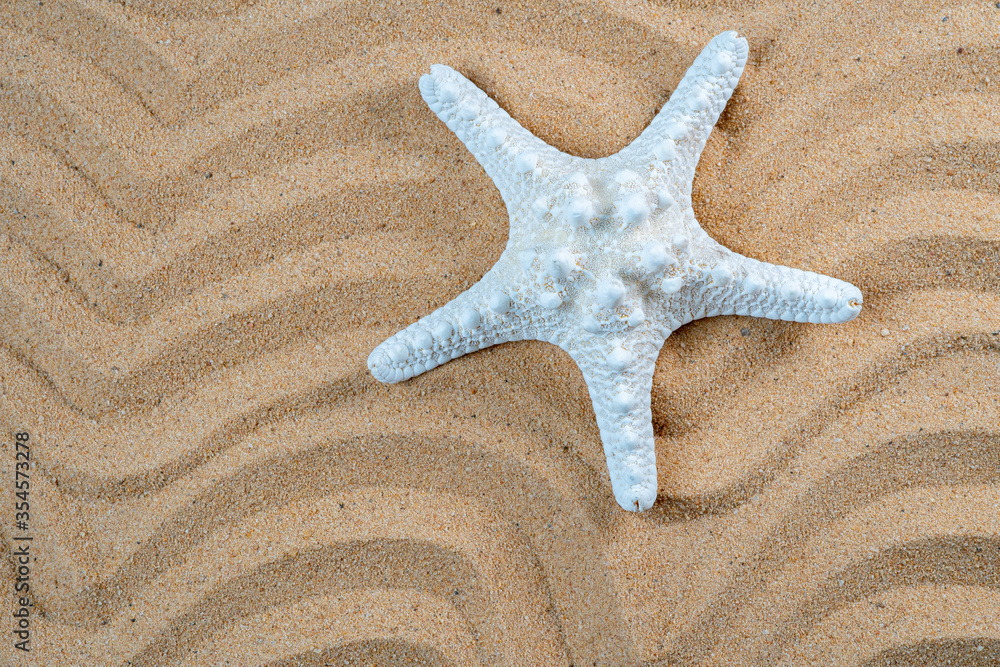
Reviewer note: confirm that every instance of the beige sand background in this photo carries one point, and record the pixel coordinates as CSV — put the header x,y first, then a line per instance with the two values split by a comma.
x,y
212,211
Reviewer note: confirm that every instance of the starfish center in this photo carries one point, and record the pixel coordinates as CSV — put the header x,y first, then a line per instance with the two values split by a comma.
x,y
604,239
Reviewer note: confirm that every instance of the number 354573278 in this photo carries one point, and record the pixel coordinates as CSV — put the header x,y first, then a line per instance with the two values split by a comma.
x,y
22,483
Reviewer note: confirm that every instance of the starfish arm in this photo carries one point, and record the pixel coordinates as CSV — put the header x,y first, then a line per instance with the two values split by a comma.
x,y
619,376
740,285
679,132
480,317
506,151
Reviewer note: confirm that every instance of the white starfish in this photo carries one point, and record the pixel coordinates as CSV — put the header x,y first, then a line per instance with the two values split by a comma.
x,y
605,258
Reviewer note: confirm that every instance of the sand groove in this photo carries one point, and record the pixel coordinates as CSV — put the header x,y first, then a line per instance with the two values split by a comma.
x,y
211,212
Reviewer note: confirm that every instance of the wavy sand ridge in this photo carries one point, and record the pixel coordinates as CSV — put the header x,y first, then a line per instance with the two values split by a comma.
x,y
211,212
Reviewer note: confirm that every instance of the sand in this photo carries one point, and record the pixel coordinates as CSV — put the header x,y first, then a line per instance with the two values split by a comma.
x,y
212,211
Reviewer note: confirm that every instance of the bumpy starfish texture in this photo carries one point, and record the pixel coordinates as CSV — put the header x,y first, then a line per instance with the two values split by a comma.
x,y
605,258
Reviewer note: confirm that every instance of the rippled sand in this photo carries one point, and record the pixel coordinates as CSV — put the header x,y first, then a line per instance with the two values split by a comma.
x,y
212,211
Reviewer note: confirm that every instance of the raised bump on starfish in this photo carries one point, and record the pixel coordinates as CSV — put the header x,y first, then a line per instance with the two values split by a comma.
x,y
605,258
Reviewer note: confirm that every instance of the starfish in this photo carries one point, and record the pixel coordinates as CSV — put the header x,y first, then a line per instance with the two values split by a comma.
x,y
605,258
